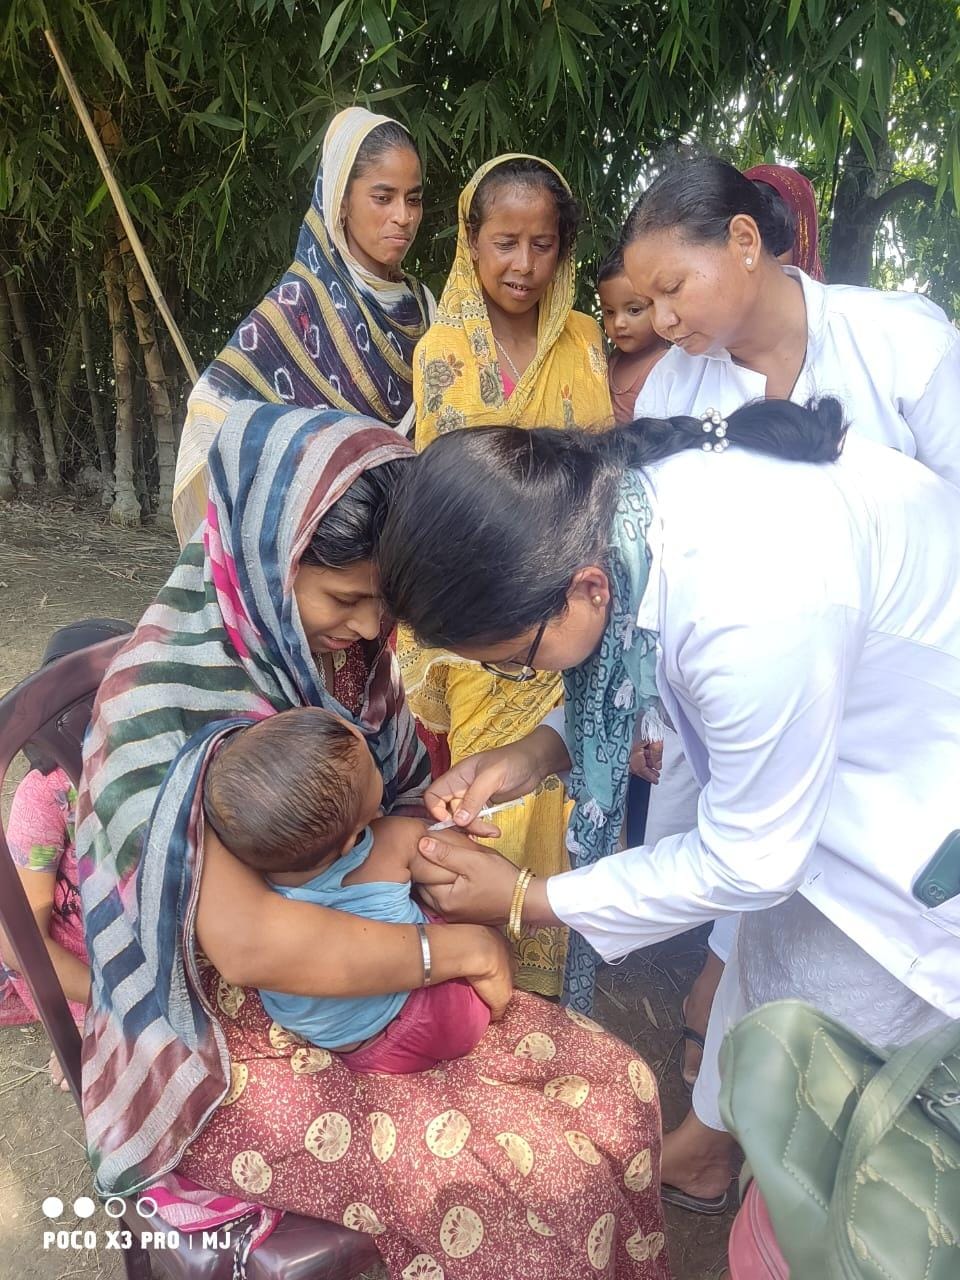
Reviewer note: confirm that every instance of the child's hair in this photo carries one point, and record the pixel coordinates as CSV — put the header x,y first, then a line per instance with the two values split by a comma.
x,y
282,793
611,266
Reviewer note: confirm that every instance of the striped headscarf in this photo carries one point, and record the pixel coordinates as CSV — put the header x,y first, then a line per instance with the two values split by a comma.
x,y
222,641
329,335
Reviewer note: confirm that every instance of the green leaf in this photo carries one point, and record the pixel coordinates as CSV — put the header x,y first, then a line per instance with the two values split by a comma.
x,y
381,95
222,220
332,27
309,149
158,16
96,199
568,16
793,13
571,63
219,121
149,193
379,53
377,27
155,82
109,54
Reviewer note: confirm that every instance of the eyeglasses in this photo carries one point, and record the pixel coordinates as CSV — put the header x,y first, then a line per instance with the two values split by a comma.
x,y
519,672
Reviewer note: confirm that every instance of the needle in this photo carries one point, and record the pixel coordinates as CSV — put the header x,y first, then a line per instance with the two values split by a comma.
x,y
484,813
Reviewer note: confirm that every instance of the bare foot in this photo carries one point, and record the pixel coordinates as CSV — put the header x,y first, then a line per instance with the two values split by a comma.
x,y
56,1073
696,1012
696,1159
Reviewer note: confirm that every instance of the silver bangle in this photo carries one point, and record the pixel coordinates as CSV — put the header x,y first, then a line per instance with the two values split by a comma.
x,y
425,954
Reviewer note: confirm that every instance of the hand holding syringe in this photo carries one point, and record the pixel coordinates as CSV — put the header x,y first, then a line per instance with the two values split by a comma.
x,y
449,823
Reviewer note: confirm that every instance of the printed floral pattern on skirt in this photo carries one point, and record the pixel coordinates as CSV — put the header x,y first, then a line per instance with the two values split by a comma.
x,y
536,1155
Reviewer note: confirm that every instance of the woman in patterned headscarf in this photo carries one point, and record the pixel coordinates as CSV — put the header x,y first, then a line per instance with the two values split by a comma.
x,y
339,329
538,1153
507,349
800,227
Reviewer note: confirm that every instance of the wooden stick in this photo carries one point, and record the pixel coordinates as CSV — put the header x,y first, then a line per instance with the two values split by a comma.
x,y
114,188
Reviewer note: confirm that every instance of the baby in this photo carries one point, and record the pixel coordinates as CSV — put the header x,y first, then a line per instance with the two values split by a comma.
x,y
628,323
295,797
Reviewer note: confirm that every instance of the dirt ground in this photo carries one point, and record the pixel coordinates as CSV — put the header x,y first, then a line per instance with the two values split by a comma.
x,y
60,562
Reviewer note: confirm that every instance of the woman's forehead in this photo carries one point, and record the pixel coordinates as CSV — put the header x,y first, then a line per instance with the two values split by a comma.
x,y
521,209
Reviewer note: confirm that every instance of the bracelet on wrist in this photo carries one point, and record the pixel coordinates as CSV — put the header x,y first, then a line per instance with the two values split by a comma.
x,y
425,954
515,918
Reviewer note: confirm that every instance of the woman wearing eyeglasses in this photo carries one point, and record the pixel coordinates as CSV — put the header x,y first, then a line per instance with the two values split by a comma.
x,y
798,613
507,348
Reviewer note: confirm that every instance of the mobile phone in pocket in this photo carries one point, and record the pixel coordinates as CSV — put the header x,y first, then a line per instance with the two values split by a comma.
x,y
939,881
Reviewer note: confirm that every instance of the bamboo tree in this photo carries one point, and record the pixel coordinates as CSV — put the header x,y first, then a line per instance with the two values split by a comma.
x,y
26,470
51,463
126,505
66,379
161,413
90,370
8,399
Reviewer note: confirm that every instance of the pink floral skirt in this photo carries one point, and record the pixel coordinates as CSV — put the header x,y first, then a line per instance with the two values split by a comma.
x,y
538,1154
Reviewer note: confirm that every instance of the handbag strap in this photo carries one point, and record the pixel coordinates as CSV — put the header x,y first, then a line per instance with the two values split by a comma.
x,y
890,1091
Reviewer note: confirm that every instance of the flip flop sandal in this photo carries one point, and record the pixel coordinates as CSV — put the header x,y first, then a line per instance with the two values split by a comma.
x,y
708,1206
694,1037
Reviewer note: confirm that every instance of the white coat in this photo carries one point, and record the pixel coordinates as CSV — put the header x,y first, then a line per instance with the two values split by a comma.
x,y
892,359
809,623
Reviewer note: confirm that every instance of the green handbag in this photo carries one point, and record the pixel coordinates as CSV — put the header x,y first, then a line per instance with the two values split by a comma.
x,y
856,1150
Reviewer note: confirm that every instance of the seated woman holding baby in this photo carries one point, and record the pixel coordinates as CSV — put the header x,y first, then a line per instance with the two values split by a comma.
x,y
274,1017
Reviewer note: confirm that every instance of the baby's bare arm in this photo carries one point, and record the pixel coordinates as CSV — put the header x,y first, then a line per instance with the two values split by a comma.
x,y
394,852
395,857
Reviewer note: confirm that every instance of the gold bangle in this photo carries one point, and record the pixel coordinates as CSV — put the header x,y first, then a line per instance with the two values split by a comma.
x,y
514,925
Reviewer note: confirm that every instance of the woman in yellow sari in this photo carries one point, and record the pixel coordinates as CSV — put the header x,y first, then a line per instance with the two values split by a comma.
x,y
507,348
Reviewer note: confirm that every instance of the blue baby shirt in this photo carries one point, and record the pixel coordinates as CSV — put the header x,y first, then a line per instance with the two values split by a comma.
x,y
334,1021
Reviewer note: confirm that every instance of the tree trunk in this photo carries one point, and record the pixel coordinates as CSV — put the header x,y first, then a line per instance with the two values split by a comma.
x,y
126,506
66,379
25,468
161,413
860,206
143,475
96,411
18,310
8,399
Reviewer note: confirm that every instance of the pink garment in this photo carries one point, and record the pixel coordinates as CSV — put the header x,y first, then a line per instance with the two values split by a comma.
x,y
40,838
436,1024
508,384
624,388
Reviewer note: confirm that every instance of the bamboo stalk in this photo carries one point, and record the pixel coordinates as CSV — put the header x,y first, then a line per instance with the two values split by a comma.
x,y
31,367
66,377
96,413
8,398
126,505
161,413
117,196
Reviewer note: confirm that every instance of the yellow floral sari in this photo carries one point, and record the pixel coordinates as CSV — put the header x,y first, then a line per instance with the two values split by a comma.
x,y
457,384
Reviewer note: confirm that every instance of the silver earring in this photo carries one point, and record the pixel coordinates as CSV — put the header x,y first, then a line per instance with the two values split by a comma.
x,y
597,600
748,261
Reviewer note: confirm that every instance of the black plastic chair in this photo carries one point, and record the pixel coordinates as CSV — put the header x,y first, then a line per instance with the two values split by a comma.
x,y
52,708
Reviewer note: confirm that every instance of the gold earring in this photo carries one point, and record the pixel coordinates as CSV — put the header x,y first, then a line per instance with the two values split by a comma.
x,y
597,600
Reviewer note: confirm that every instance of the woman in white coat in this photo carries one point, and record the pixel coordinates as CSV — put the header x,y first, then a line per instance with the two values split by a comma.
x,y
698,246
799,617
